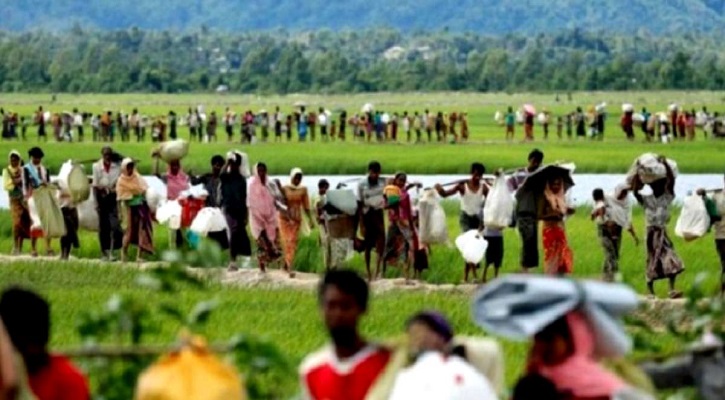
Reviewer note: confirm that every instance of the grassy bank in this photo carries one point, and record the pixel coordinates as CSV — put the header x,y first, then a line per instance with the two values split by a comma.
x,y
352,158
615,154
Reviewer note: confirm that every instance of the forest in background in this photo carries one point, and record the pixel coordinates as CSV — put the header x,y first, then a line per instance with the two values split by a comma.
x,y
494,17
326,61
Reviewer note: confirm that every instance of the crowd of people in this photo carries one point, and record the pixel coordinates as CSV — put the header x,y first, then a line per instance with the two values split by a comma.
x,y
676,123
302,123
386,223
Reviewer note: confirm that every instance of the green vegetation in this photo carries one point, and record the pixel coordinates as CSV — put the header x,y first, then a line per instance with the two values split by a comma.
x,y
370,60
487,144
485,16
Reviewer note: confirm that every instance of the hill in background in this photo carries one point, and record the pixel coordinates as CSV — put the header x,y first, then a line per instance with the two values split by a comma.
x,y
494,17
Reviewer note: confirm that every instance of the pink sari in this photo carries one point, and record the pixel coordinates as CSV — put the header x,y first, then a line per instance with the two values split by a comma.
x,y
262,210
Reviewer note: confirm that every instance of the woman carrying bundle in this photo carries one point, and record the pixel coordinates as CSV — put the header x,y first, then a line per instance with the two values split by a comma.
x,y
131,189
176,182
662,260
401,237
35,175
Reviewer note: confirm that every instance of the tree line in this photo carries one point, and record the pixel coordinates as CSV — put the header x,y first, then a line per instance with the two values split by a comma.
x,y
135,60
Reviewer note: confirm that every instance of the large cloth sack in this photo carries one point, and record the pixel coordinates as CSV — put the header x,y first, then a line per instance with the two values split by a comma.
x,y
343,199
209,219
694,220
650,169
173,150
472,246
169,214
432,219
63,175
88,214
486,356
436,376
499,207
78,185
193,373
48,211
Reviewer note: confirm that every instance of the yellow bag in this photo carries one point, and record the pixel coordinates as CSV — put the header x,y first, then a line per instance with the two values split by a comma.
x,y
193,373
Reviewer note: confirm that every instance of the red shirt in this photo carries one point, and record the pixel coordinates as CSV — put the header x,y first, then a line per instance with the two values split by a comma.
x,y
325,377
59,380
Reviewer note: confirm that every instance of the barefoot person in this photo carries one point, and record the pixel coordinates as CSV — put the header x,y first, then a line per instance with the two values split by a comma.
x,y
613,215
36,175
234,206
526,212
290,221
13,184
105,175
370,210
473,193
131,189
558,258
349,367
264,218
718,197
401,237
662,260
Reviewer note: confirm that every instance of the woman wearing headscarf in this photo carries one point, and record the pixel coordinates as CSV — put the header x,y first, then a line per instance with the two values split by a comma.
x,y
131,189
564,353
176,182
401,237
290,221
35,175
264,218
558,258
13,184
234,205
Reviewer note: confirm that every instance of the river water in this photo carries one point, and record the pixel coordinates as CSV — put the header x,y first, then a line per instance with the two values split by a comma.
x,y
580,194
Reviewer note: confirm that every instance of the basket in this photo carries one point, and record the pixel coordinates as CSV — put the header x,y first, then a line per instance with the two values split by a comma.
x,y
341,226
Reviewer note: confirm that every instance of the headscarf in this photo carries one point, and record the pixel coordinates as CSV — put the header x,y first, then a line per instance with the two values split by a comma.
x,y
580,374
292,174
557,201
243,162
175,184
435,322
10,155
620,211
129,186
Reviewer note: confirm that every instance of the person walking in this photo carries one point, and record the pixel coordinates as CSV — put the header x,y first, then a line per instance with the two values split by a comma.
x,y
13,184
612,215
131,188
473,194
662,260
291,222
527,212
106,172
264,216
371,204
234,206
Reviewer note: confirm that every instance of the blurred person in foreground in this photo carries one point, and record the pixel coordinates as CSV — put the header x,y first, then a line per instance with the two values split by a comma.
x,y
349,367
27,319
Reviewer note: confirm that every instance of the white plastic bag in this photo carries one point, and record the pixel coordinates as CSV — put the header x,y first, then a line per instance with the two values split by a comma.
x,y
88,214
63,175
169,214
209,219
499,206
694,220
472,246
153,199
432,219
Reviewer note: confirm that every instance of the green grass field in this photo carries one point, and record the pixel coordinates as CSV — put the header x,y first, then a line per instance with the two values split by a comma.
x,y
487,144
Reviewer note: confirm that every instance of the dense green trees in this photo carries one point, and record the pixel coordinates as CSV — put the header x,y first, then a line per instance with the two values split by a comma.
x,y
354,61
